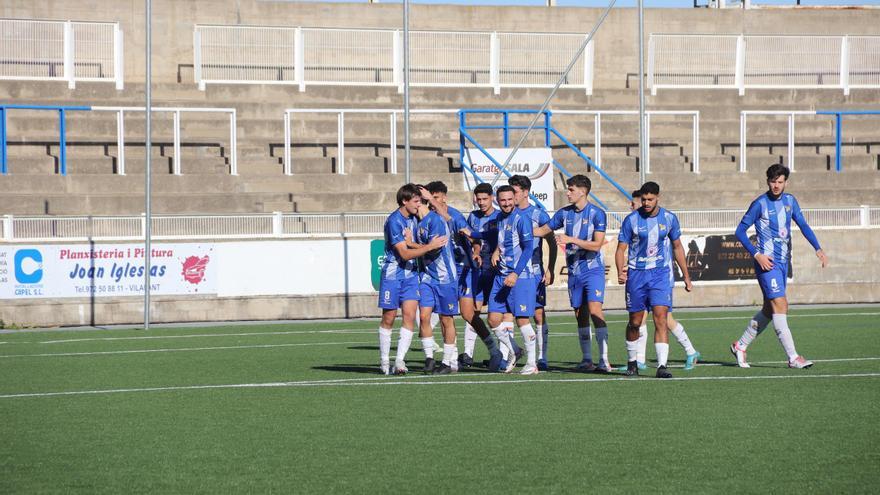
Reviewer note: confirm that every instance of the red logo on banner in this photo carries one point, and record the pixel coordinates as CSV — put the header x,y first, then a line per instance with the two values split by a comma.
x,y
194,269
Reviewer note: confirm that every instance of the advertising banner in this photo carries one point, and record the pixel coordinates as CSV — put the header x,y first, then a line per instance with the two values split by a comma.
x,y
105,270
534,163
712,258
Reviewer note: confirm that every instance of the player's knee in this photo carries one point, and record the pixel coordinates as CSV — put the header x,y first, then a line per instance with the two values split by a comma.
x,y
598,321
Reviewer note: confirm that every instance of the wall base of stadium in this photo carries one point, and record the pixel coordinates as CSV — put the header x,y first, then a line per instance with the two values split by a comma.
x,y
167,309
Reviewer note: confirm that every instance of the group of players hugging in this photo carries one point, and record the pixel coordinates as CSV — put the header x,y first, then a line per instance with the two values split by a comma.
x,y
439,263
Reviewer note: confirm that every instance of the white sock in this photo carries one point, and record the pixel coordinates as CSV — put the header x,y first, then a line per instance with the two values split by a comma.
x,y
435,319
513,344
643,344
450,353
503,340
529,339
539,341
428,346
586,344
756,326
545,335
662,353
602,344
470,339
384,344
683,339
632,350
780,323
403,343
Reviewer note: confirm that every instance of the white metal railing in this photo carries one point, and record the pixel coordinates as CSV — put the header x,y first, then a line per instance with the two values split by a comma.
x,y
61,51
743,125
304,56
393,118
299,225
176,111
762,61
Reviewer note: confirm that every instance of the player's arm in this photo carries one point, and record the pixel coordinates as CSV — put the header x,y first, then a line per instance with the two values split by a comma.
x,y
747,221
620,261
552,255
527,244
678,254
595,244
808,233
407,253
542,231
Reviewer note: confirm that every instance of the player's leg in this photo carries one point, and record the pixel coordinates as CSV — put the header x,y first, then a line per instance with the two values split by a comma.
x,y
636,304
577,297
508,327
780,324
523,296
389,301
541,329
447,307
642,354
661,340
595,300
409,308
497,309
426,330
678,331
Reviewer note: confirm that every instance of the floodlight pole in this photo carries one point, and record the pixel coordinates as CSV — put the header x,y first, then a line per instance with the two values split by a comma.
x,y
405,91
643,145
148,212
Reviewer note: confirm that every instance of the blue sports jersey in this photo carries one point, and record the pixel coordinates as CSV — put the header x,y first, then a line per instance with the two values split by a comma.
x,y
649,238
438,266
772,221
487,226
515,243
539,218
394,267
580,224
461,244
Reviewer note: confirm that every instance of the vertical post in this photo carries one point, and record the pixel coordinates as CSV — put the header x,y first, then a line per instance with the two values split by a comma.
x,y
397,61
277,224
340,143
4,166
62,142
742,142
406,157
69,70
118,56
233,142
461,128
838,121
739,77
393,143
299,68
643,117
148,187
864,217
844,64
597,124
791,142
589,61
197,58
120,141
287,169
547,115
505,116
697,142
176,131
494,62
651,65
647,153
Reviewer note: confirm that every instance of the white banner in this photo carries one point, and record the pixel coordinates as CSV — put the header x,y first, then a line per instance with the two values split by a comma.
x,y
534,163
105,270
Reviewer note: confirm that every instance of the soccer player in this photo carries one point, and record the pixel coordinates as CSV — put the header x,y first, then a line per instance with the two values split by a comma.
x,y
539,217
513,290
645,233
692,356
584,235
771,214
399,287
467,269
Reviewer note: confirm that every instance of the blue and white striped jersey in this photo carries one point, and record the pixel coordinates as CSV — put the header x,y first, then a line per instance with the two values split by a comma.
x,y
580,224
487,226
515,237
772,221
539,218
461,244
438,266
394,267
649,238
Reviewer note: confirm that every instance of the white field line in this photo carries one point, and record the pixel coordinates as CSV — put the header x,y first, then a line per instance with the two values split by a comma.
x,y
427,381
182,349
370,332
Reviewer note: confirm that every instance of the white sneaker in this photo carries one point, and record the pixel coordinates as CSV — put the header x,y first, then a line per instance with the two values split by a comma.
x,y
385,368
739,354
529,369
799,362
511,362
400,368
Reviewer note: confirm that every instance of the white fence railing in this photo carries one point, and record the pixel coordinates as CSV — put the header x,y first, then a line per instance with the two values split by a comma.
x,y
762,61
22,229
304,56
61,51
393,115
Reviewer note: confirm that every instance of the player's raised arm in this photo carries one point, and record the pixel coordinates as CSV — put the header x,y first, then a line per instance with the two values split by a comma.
x,y
798,217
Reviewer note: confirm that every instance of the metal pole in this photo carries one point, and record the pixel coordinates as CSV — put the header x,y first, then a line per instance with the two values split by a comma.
x,y
643,141
148,186
406,90
562,79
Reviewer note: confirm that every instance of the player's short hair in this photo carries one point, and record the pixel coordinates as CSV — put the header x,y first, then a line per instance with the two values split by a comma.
x,y
520,181
483,188
776,170
504,188
637,193
406,193
650,187
436,186
581,181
